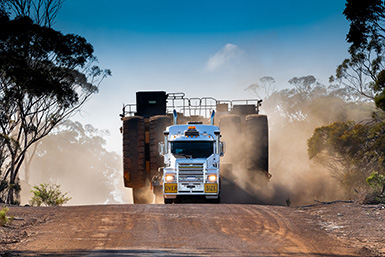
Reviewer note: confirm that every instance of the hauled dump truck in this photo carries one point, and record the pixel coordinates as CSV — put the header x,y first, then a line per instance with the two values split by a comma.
x,y
172,146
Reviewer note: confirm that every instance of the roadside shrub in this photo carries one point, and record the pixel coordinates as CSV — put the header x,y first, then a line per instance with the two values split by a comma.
x,y
4,220
377,182
49,195
352,151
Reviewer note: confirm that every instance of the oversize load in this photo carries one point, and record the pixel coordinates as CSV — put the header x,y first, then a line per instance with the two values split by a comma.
x,y
170,188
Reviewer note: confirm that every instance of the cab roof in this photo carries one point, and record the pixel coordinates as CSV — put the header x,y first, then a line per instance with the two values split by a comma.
x,y
192,132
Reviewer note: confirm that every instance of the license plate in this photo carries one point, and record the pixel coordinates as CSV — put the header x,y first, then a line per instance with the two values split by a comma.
x,y
170,188
211,188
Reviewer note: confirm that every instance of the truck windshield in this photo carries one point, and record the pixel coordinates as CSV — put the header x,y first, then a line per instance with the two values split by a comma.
x,y
192,149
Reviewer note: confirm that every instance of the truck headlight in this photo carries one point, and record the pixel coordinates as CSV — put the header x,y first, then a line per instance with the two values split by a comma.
x,y
169,178
212,178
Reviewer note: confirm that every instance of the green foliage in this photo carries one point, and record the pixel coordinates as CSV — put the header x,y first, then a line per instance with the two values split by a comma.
x,y
4,219
364,70
379,87
340,138
365,23
49,195
45,77
27,64
379,100
83,155
351,151
377,182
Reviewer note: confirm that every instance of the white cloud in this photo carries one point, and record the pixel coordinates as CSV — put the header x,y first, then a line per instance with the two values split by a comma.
x,y
223,56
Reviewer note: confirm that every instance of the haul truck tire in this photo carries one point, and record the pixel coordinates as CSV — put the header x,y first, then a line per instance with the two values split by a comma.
x,y
158,192
257,143
133,155
142,195
230,125
231,131
158,124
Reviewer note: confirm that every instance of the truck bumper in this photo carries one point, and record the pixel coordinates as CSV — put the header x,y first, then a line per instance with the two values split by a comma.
x,y
172,190
186,195
209,191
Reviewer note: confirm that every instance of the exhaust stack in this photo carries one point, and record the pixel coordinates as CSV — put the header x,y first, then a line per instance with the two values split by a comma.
x,y
175,117
217,142
212,118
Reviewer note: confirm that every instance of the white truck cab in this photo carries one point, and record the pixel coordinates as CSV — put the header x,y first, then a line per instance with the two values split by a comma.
x,y
191,161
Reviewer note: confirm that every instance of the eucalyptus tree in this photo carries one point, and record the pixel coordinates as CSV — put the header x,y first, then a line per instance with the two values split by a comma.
x,y
45,77
365,69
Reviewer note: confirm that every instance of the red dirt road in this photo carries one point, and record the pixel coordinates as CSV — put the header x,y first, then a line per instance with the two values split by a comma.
x,y
174,230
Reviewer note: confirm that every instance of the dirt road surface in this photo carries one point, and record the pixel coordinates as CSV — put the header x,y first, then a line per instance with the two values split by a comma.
x,y
169,230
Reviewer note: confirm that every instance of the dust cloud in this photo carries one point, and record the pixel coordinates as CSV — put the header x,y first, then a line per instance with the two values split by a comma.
x,y
74,157
295,180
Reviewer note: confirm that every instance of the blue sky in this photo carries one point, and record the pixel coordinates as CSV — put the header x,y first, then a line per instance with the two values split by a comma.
x,y
203,48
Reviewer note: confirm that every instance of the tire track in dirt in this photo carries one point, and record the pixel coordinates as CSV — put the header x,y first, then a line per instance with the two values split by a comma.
x,y
180,230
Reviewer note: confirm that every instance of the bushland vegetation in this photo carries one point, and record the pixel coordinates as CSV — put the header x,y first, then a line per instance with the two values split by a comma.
x,y
355,151
74,156
343,121
45,77
293,114
49,195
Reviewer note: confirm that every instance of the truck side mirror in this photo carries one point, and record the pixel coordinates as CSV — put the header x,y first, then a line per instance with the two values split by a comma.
x,y
161,149
222,148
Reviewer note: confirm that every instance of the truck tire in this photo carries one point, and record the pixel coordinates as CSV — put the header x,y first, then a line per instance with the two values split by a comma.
x,y
257,143
158,192
231,131
134,173
158,124
143,195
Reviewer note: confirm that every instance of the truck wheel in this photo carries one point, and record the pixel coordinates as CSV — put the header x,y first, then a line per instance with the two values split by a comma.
x,y
257,143
158,192
231,131
142,195
158,124
134,172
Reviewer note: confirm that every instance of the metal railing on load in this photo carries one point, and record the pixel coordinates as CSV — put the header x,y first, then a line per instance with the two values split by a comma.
x,y
195,106
190,106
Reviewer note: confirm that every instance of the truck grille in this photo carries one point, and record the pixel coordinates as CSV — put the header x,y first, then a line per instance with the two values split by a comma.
x,y
189,172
